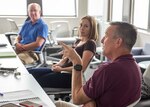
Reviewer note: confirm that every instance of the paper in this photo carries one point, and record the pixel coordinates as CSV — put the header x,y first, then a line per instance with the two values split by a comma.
x,y
7,54
19,96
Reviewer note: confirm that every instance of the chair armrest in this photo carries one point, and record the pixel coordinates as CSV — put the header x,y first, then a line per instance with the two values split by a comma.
x,y
9,34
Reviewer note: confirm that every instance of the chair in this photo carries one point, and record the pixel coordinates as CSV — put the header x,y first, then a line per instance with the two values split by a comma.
x,y
60,31
60,28
141,53
41,61
54,48
13,32
4,26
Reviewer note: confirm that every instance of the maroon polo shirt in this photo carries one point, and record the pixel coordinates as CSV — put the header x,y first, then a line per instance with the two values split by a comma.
x,y
115,84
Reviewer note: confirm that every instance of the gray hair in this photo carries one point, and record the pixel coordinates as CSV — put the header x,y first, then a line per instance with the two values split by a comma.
x,y
127,32
36,4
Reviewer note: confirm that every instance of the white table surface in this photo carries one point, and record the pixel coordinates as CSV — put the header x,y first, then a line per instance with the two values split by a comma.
x,y
25,82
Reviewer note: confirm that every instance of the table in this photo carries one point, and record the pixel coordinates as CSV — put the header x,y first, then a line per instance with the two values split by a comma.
x,y
26,81
11,62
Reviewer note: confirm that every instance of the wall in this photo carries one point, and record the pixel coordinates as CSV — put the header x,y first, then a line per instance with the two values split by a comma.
x,y
143,37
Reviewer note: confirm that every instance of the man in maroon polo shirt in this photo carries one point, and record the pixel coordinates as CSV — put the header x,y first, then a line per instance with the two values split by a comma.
x,y
113,84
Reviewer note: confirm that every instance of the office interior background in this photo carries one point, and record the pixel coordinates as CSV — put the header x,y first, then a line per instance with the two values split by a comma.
x,y
136,12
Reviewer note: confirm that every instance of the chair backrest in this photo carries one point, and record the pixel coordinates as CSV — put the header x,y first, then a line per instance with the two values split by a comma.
x,y
60,29
4,26
146,76
14,27
12,34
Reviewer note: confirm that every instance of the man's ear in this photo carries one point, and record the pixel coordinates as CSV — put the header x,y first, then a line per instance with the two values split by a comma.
x,y
119,42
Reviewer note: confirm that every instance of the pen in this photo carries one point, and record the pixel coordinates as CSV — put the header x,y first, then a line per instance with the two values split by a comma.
x,y
1,94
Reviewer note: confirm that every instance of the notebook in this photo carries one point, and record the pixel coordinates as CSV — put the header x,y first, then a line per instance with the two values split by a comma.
x,y
17,97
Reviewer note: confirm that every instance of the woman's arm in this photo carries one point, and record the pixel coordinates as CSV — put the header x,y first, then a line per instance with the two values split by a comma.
x,y
61,62
58,68
86,58
78,94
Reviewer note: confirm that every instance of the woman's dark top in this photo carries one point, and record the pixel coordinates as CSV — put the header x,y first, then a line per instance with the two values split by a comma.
x,y
89,45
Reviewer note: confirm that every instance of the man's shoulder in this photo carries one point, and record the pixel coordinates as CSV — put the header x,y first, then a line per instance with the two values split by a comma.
x,y
42,23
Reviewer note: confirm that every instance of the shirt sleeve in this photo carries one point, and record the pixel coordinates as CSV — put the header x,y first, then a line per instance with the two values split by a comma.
x,y
91,46
96,85
43,31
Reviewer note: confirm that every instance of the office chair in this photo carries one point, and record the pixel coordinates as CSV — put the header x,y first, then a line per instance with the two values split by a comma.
x,y
13,32
60,31
4,26
54,48
14,29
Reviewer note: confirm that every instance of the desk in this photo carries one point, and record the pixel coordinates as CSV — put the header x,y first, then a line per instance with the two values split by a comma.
x,y
25,82
11,62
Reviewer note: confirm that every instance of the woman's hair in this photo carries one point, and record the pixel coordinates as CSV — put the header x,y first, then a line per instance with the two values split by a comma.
x,y
93,31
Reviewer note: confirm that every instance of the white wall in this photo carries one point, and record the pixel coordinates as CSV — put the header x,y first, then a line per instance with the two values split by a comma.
x,y
143,37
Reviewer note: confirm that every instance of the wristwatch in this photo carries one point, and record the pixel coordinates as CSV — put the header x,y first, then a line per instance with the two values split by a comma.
x,y
77,67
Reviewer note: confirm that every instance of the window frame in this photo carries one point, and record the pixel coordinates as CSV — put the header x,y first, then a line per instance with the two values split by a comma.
x,y
127,12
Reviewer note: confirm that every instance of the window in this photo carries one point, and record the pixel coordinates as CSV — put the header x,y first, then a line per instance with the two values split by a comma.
x,y
141,10
95,8
13,7
136,12
59,8
117,10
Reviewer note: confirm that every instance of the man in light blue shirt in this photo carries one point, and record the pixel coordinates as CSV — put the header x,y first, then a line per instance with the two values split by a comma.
x,y
32,35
